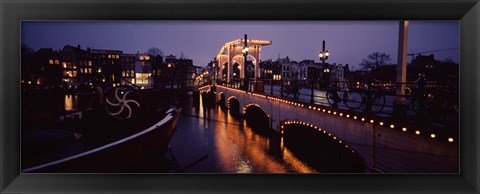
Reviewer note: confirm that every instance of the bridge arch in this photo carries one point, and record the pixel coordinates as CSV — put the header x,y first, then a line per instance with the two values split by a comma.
x,y
233,105
239,67
256,116
222,74
221,99
237,72
327,152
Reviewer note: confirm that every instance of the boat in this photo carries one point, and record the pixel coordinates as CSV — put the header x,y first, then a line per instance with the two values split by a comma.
x,y
120,138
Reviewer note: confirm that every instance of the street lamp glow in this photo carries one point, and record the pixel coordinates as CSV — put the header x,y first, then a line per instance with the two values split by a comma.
x,y
245,50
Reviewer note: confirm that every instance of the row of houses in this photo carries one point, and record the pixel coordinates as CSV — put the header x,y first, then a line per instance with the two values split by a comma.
x,y
73,66
303,71
288,70
324,74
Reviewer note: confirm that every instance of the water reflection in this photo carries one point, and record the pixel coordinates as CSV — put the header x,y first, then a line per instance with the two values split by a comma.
x,y
77,102
231,145
71,102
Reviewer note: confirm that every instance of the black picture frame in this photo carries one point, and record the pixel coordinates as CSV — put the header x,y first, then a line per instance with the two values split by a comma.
x,y
13,12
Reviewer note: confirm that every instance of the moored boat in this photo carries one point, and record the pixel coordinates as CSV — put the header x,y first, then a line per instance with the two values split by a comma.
x,y
117,140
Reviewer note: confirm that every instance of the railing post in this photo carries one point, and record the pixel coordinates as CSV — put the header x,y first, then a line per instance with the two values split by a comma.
x,y
281,88
311,95
271,87
374,144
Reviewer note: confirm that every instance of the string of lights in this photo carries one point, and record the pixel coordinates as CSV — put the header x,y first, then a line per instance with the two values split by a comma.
x,y
345,114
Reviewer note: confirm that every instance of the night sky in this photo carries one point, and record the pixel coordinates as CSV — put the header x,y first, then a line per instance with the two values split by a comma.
x,y
348,41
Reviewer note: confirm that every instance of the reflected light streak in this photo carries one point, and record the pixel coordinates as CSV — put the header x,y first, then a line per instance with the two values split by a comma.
x,y
70,102
296,164
238,155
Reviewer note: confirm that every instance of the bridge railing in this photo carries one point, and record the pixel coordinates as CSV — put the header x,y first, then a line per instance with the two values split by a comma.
x,y
429,104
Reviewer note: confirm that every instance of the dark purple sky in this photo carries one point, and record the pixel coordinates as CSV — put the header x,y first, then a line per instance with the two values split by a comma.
x,y
348,41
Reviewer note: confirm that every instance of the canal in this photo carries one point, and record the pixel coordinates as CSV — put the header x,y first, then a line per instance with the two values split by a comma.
x,y
228,145
215,141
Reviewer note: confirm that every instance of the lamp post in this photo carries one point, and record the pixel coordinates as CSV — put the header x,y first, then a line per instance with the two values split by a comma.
x,y
215,74
281,86
271,82
323,55
170,68
245,54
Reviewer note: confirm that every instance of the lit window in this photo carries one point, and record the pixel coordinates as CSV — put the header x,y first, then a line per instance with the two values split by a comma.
x,y
81,70
89,70
142,78
74,74
109,56
50,61
64,65
57,62
90,63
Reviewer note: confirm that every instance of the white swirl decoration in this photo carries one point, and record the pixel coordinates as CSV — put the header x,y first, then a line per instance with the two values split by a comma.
x,y
120,100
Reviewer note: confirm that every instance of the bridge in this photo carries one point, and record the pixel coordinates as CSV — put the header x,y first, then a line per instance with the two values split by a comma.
x,y
232,56
385,145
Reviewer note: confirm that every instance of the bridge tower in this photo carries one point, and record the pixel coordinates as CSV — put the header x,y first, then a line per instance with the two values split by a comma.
x,y
231,54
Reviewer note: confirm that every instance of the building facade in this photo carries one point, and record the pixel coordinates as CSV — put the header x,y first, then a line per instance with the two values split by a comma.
x,y
127,63
107,65
42,67
179,72
143,71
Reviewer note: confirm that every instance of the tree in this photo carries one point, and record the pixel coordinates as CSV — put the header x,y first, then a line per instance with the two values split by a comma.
x,y
448,61
26,49
374,61
154,51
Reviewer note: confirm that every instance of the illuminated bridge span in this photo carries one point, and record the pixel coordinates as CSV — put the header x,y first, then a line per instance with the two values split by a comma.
x,y
384,145
231,56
